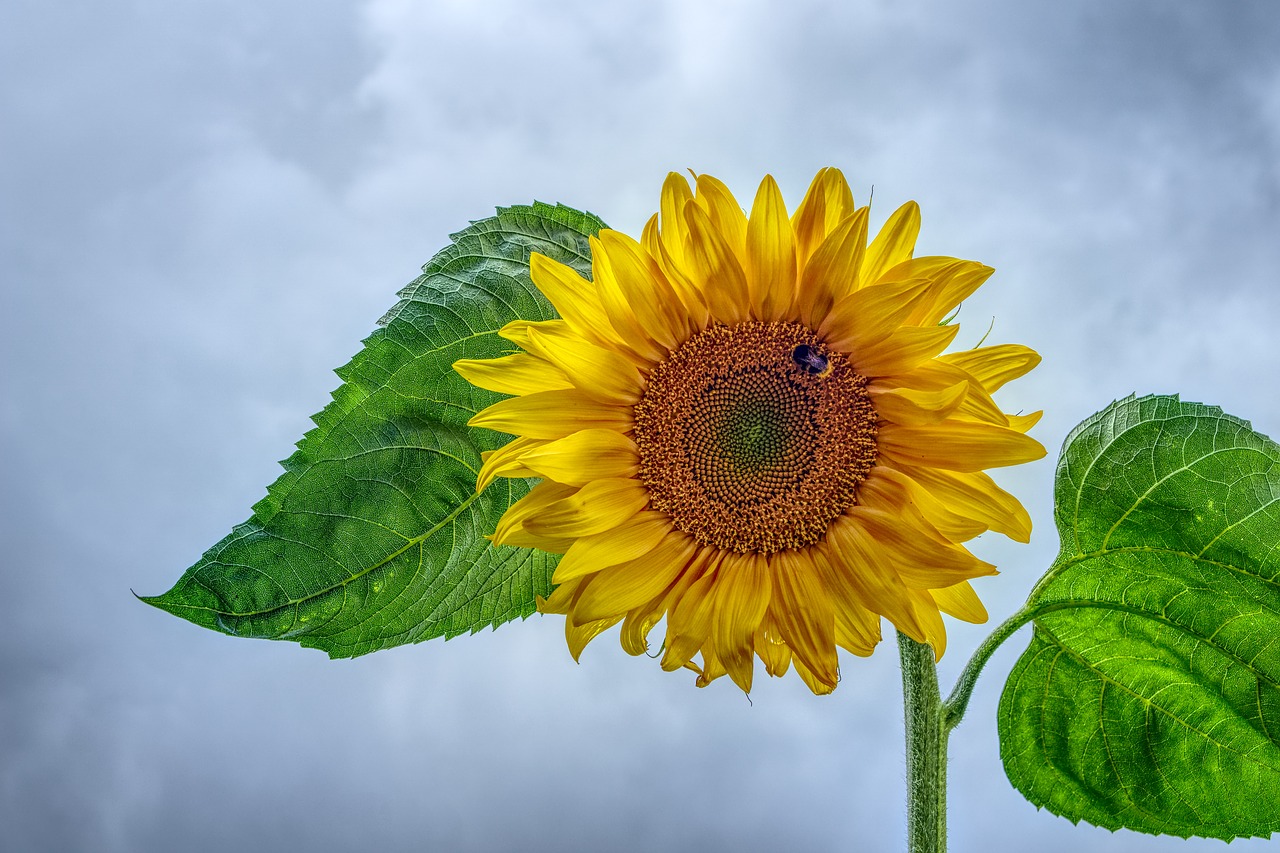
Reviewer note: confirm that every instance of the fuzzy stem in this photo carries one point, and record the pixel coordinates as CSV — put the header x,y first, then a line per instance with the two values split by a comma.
x,y
958,702
926,749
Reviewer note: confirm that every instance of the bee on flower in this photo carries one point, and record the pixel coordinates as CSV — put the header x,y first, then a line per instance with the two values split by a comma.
x,y
746,425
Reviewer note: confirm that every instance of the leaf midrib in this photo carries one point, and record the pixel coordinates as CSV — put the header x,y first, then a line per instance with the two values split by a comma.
x,y
1062,564
1034,615
409,544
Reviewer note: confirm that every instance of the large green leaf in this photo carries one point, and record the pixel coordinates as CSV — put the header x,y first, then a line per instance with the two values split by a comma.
x,y
1149,697
374,536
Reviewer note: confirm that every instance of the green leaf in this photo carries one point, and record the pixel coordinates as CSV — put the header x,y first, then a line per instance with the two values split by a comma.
x,y
374,536
1150,695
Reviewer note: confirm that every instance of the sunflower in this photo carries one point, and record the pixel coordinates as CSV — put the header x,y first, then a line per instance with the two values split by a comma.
x,y
745,425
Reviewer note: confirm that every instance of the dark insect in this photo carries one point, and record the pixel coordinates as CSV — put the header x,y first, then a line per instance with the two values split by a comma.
x,y
810,360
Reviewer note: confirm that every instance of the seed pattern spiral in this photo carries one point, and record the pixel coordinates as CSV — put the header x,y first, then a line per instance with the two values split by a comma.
x,y
754,437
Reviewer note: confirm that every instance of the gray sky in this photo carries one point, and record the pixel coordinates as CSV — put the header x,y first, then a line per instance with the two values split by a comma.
x,y
204,207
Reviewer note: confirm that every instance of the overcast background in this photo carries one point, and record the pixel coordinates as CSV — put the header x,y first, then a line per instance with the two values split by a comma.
x,y
205,206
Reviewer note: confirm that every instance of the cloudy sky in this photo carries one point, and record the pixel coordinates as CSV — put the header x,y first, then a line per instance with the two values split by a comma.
x,y
204,207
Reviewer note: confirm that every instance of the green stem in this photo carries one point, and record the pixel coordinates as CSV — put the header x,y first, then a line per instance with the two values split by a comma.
x,y
958,702
926,749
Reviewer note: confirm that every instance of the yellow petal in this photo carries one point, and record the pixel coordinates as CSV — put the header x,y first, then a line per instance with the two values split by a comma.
x,y
695,306
936,375
561,598
994,366
741,598
689,622
976,496
715,269
771,648
675,195
712,666
1022,423
839,199
770,253
618,307
599,373
935,633
513,374
517,331
917,408
818,685
857,629
961,602
951,287
641,619
620,588
920,560
904,349
894,244
539,498
855,569
893,491
506,461
628,541
831,274
577,636
958,446
573,297
724,211
637,624
864,318
524,539
645,289
933,267
802,607
809,220
577,459
552,414
598,506
827,203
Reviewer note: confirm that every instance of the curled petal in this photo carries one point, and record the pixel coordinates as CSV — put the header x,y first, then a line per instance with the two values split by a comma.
x,y
741,599
620,588
599,373
958,446
994,366
596,507
584,456
628,541
802,608
918,408
506,461
831,274
689,622
715,269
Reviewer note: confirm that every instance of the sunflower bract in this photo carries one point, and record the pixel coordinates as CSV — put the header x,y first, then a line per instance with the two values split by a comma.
x,y
746,427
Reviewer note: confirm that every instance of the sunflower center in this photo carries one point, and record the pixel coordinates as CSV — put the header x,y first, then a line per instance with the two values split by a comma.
x,y
754,437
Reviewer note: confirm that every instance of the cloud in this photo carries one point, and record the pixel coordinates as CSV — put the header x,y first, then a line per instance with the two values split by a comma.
x,y
206,208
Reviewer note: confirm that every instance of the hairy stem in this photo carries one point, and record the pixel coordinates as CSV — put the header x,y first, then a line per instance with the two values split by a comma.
x,y
958,702
926,749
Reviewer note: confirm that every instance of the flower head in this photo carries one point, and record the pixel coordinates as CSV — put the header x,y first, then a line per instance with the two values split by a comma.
x,y
746,425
